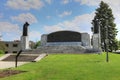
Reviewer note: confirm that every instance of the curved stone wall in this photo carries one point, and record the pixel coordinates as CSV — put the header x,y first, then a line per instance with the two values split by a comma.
x,y
64,36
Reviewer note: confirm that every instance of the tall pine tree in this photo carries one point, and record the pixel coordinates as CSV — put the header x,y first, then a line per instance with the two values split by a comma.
x,y
106,23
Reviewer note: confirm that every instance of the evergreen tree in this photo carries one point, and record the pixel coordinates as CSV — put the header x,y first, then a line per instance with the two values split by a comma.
x,y
105,19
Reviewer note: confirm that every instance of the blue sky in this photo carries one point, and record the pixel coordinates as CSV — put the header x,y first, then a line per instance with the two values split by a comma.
x,y
46,16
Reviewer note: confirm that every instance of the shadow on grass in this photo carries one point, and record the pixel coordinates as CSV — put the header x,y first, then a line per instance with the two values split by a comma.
x,y
6,73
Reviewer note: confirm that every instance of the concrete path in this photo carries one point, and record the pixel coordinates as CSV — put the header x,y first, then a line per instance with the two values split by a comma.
x,y
6,64
9,64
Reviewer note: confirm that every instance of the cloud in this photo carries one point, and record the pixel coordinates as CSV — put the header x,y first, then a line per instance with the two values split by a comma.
x,y
9,30
25,17
49,1
65,13
88,2
53,28
25,4
13,32
81,23
34,35
8,27
65,1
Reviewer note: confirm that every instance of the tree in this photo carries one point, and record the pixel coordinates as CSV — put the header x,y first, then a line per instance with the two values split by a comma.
x,y
116,46
2,47
37,44
105,19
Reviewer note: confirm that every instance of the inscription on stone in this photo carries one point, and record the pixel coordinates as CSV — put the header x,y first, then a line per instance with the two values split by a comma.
x,y
64,36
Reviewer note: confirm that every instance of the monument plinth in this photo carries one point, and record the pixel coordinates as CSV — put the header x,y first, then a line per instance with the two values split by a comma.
x,y
65,42
96,37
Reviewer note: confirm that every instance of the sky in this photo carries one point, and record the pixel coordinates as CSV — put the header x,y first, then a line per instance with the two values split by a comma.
x,y
46,16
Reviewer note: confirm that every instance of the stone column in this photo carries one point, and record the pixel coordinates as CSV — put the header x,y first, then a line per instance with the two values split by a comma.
x,y
25,42
85,39
43,39
96,42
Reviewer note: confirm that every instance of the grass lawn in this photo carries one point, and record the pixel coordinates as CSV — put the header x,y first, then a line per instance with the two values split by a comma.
x,y
1,55
71,67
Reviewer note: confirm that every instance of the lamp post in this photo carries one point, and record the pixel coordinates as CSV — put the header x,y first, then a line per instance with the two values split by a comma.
x,y
106,41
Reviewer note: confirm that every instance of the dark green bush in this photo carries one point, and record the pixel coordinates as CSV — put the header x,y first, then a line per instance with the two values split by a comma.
x,y
2,52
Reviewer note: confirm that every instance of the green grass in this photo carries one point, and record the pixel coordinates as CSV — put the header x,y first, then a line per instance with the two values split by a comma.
x,y
71,67
1,55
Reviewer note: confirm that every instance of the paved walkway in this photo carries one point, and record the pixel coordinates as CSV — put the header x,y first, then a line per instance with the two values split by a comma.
x,y
9,64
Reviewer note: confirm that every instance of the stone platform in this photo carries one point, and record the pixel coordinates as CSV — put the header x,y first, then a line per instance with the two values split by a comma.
x,y
60,49
8,60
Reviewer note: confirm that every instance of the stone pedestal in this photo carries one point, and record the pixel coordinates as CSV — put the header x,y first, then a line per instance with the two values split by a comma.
x,y
96,42
24,42
85,39
43,39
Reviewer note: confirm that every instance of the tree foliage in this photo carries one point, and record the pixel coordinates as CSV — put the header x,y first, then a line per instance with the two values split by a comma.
x,y
118,41
37,44
106,19
2,47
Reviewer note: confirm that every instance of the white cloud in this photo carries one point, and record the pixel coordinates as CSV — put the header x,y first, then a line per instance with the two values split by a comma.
x,y
88,2
9,30
25,17
34,35
8,27
65,1
49,1
25,4
65,13
81,23
53,28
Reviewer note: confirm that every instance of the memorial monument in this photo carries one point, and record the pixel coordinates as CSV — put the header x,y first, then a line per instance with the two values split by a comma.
x,y
65,42
24,37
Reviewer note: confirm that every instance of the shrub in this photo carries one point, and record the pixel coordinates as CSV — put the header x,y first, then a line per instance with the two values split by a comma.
x,y
2,46
1,52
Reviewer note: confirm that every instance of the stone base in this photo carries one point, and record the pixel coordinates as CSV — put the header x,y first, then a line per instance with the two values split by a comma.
x,y
96,43
25,42
63,44
61,49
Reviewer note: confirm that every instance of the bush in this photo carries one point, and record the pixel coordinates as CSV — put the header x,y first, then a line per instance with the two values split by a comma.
x,y
2,46
37,44
1,52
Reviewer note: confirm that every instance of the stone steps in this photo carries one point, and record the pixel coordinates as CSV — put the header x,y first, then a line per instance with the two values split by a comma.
x,y
11,63
24,57
57,49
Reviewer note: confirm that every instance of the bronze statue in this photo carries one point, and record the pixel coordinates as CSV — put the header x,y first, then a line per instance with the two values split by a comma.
x,y
25,29
96,26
